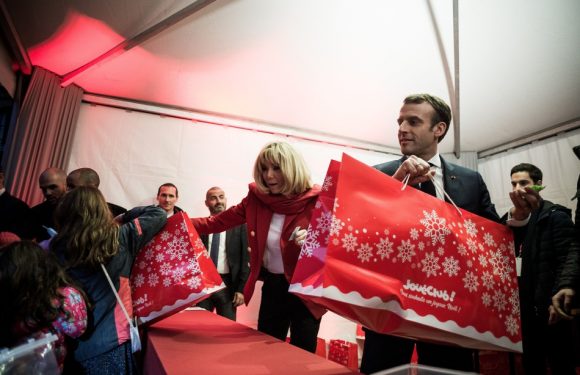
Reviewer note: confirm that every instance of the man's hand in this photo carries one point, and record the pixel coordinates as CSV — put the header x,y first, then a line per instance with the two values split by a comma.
x,y
418,169
238,299
525,201
553,316
562,304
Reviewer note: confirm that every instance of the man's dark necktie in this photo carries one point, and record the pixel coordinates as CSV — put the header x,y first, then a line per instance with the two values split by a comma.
x,y
428,187
215,248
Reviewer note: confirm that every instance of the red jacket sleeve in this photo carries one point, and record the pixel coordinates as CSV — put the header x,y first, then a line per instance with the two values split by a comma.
x,y
232,217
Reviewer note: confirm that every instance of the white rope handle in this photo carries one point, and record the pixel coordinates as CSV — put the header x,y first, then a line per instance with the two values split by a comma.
x,y
133,331
406,181
117,295
438,187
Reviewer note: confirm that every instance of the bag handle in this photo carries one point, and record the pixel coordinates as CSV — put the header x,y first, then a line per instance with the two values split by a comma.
x,y
117,295
133,331
437,185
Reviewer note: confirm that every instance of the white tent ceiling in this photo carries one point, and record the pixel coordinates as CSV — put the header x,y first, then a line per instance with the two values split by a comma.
x,y
332,66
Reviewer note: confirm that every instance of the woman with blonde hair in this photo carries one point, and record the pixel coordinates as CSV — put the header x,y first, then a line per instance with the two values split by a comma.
x,y
88,237
280,201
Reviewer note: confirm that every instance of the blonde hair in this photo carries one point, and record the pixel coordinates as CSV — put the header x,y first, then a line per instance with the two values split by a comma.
x,y
292,165
85,228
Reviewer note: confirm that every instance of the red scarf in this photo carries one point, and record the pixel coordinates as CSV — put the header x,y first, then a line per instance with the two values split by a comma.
x,y
286,205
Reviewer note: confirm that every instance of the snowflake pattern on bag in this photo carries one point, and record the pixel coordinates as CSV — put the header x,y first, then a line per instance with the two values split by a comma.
x,y
440,248
171,266
174,266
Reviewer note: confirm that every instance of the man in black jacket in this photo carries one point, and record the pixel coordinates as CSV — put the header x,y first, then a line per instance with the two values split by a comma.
x,y
52,182
15,215
547,261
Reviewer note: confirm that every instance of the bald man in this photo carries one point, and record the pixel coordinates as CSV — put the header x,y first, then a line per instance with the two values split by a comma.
x,y
90,177
82,177
229,251
52,182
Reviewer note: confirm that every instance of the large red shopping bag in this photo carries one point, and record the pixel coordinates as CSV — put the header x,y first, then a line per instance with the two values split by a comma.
x,y
405,263
172,272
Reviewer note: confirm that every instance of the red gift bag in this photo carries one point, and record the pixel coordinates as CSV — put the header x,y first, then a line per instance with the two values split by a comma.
x,y
343,352
495,363
405,263
173,271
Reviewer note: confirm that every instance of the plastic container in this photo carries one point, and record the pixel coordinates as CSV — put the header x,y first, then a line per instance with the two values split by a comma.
x,y
34,357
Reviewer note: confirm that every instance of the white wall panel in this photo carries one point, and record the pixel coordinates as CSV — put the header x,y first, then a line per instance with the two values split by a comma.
x,y
135,152
554,156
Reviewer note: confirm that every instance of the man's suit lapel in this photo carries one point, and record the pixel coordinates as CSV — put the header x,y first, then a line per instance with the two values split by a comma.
x,y
397,165
228,240
230,235
449,179
400,161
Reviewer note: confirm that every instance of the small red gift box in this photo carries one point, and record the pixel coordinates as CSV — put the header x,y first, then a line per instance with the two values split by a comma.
x,y
173,271
343,352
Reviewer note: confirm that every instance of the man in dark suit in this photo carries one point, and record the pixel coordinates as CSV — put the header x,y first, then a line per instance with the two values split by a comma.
x,y
90,177
15,215
230,254
52,182
423,122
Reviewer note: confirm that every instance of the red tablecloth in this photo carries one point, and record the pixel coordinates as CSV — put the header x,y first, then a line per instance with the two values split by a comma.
x,y
204,343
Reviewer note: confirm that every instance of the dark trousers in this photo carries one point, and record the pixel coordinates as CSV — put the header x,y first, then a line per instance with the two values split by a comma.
x,y
222,301
383,351
119,360
281,310
547,345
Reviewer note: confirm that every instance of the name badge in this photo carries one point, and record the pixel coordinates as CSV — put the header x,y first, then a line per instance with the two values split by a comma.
x,y
519,266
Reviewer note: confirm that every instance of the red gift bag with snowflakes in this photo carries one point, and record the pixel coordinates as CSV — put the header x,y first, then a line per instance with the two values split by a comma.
x,y
406,263
172,272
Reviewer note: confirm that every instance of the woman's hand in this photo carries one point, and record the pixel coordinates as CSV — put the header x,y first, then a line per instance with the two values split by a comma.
x,y
300,236
238,299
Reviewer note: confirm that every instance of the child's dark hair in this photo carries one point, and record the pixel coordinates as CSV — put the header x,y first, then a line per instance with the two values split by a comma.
x,y
30,279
